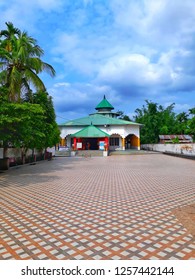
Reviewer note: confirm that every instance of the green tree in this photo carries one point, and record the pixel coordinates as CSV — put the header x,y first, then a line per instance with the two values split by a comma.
x,y
27,120
181,123
9,36
167,119
191,123
148,116
20,63
122,116
21,125
156,120
51,130
28,126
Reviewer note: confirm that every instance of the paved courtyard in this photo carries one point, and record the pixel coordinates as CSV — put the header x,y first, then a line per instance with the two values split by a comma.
x,y
119,207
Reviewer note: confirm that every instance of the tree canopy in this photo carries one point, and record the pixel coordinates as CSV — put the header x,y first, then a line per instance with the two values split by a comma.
x,y
27,118
20,63
158,120
122,116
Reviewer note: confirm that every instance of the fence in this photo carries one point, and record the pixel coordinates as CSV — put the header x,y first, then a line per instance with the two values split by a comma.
x,y
14,157
178,149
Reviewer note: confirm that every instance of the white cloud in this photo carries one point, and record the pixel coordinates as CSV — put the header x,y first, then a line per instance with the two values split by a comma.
x,y
134,69
48,5
161,22
84,55
25,14
182,107
66,43
79,98
127,14
116,47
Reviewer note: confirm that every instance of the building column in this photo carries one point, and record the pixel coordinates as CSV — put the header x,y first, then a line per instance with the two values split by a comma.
x,y
106,143
123,143
75,143
138,143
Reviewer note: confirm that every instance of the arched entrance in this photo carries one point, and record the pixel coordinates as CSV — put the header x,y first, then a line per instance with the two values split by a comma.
x,y
132,142
90,138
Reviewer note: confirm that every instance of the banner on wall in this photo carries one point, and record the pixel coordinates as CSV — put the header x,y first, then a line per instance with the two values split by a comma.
x,y
79,145
101,145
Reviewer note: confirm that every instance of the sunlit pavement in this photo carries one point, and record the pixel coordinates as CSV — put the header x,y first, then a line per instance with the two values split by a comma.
x,y
117,207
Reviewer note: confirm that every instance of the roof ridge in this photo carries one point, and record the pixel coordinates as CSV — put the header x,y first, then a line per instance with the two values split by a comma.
x,y
97,119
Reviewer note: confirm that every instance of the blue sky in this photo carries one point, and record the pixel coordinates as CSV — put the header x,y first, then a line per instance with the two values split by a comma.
x,y
129,50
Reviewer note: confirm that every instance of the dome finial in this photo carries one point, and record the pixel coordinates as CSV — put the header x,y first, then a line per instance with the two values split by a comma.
x,y
104,105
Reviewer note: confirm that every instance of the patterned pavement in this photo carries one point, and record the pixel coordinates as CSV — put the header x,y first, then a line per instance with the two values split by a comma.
x,y
118,207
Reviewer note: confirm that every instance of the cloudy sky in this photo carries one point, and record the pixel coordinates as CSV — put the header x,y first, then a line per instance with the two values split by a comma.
x,y
129,50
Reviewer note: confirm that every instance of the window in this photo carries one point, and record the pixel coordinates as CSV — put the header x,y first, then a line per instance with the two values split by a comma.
x,y
114,141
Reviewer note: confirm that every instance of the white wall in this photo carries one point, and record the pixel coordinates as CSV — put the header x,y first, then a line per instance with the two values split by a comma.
x,y
1,152
16,152
69,130
123,131
185,149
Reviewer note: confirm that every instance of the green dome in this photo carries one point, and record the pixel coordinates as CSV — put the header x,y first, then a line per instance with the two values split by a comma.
x,y
104,104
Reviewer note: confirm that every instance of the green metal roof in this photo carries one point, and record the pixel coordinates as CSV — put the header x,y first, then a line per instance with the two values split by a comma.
x,y
90,131
97,119
104,104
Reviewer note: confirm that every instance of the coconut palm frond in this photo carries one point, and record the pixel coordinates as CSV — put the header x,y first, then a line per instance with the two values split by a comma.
x,y
49,69
20,58
34,79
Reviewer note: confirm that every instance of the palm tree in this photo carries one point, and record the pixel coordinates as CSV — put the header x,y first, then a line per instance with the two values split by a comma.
x,y
9,35
20,63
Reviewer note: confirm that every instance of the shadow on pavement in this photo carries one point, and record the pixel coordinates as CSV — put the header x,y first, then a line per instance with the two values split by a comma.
x,y
40,172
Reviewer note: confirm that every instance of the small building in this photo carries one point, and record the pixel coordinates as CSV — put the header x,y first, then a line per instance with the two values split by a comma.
x,y
102,130
172,138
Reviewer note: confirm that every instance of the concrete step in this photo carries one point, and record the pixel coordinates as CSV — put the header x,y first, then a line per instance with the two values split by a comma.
x,y
127,152
89,153
62,153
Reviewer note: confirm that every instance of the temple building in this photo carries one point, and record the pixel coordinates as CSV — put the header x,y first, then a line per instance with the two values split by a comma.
x,y
102,130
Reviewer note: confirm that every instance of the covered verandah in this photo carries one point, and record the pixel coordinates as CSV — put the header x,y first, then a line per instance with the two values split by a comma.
x,y
96,139
90,138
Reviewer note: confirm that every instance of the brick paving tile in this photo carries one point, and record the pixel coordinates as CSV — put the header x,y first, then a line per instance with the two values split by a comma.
x,y
118,207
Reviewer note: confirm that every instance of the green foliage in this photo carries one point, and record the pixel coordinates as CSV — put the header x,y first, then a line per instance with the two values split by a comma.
x,y
181,123
20,63
29,125
158,120
27,120
175,140
50,129
191,123
21,124
154,119
122,116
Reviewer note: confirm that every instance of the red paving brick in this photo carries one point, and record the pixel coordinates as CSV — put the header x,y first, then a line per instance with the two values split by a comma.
x,y
119,207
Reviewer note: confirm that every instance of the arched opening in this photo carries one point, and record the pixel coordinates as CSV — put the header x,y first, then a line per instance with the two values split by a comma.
x,y
64,143
132,142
